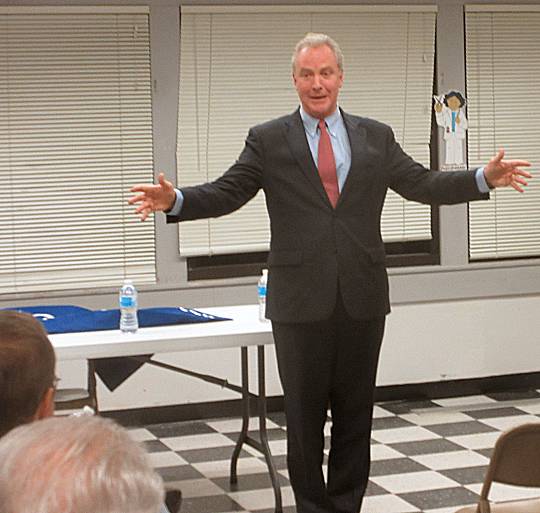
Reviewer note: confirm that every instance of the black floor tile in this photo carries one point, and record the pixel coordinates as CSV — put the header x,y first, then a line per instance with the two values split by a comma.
x,y
209,504
441,498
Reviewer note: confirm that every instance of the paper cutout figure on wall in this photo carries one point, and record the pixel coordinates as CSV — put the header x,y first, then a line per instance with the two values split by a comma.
x,y
450,115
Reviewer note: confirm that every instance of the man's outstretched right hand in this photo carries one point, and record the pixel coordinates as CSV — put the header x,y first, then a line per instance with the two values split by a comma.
x,y
153,198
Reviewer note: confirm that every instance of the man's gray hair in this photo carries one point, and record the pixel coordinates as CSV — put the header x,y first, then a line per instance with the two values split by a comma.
x,y
76,465
313,40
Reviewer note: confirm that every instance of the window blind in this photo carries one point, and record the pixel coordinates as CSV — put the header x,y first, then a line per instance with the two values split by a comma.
x,y
235,72
75,134
503,47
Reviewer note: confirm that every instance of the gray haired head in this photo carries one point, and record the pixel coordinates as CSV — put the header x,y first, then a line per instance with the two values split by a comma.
x,y
313,40
76,465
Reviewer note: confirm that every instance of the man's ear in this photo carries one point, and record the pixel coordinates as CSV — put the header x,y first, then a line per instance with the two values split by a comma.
x,y
46,406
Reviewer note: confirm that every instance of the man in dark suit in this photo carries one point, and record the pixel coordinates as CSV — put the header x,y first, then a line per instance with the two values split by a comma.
x,y
325,174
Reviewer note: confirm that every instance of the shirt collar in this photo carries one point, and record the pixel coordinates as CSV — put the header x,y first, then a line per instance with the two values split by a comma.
x,y
311,123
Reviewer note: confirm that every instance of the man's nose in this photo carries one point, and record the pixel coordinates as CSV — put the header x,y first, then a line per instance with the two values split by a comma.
x,y
316,82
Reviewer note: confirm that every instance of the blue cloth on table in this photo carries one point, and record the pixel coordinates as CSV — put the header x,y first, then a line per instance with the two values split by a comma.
x,y
72,319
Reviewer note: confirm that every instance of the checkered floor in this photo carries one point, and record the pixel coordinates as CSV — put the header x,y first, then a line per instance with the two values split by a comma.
x,y
427,456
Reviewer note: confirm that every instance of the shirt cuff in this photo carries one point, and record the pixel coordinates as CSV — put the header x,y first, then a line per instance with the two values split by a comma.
x,y
177,207
481,181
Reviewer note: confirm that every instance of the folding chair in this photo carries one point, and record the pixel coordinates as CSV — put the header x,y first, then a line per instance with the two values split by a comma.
x,y
515,461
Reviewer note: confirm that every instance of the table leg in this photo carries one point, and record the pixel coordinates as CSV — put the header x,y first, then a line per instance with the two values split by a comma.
x,y
262,444
243,436
262,429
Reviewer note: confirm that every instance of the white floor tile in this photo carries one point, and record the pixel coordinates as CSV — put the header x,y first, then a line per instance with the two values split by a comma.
x,y
205,441
453,509
476,441
501,493
530,407
262,499
414,482
379,412
404,434
198,488
251,450
383,452
277,447
235,425
460,402
504,423
386,504
222,468
436,416
285,472
141,435
452,459
166,459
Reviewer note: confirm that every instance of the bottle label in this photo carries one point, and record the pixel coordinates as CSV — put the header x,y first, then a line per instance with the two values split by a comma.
x,y
127,302
262,290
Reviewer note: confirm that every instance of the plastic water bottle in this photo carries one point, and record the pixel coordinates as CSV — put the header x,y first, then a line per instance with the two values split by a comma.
x,y
128,307
261,289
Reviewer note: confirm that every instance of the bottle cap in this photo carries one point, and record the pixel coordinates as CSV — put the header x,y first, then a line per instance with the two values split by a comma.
x,y
265,272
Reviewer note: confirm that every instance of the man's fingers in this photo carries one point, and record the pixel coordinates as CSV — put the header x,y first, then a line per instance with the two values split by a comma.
x,y
141,188
136,199
517,187
518,164
497,158
144,207
144,213
525,174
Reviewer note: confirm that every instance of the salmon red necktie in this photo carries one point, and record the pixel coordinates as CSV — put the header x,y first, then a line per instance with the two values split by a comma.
x,y
327,165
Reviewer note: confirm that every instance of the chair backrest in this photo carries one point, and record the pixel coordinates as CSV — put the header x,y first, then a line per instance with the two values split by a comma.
x,y
516,458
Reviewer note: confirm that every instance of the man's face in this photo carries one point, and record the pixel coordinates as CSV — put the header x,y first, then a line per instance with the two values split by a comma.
x,y
317,79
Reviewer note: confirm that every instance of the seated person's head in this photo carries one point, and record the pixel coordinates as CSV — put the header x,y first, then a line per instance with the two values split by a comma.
x,y
76,465
27,378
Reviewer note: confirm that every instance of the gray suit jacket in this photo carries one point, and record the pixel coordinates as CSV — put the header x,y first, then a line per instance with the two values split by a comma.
x,y
313,246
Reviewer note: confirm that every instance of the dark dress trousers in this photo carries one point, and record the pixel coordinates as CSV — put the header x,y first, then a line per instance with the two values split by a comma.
x,y
327,285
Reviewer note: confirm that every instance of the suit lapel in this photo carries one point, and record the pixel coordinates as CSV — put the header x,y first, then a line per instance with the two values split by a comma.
x,y
299,147
358,143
